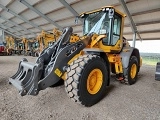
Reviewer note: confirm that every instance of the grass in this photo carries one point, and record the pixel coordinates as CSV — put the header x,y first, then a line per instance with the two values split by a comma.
x,y
149,61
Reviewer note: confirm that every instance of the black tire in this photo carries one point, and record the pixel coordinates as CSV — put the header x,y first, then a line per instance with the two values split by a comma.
x,y
11,52
36,54
133,61
29,54
77,75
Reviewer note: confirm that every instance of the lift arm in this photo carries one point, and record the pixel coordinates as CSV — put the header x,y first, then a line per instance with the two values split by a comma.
x,y
49,67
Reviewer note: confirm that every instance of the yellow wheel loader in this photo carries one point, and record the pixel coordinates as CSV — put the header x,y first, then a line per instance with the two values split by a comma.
x,y
10,45
25,47
49,38
29,48
84,65
46,39
18,46
32,48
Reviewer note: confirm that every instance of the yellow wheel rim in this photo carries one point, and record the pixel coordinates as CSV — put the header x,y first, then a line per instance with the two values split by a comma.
x,y
94,81
133,71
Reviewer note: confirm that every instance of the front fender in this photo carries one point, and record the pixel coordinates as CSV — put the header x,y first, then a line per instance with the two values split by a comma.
x,y
103,55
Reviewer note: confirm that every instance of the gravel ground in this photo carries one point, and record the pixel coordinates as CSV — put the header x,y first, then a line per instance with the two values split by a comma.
x,y
140,101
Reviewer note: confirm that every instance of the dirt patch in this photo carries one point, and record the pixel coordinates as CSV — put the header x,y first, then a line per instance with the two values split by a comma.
x,y
136,102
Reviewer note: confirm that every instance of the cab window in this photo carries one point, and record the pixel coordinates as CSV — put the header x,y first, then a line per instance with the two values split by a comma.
x,y
117,25
116,29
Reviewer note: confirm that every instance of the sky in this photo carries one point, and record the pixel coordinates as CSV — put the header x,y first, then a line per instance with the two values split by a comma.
x,y
148,46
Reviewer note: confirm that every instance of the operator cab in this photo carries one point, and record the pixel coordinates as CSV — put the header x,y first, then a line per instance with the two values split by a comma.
x,y
106,21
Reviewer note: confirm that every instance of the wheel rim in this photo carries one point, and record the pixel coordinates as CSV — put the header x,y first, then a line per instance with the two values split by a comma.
x,y
94,81
133,71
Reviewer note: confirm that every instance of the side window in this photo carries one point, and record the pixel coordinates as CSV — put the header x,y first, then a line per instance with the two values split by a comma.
x,y
116,29
117,25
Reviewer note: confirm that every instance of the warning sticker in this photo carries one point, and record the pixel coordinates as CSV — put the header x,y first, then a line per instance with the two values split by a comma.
x,y
58,72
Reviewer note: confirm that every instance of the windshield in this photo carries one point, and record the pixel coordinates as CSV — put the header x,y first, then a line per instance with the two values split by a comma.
x,y
96,22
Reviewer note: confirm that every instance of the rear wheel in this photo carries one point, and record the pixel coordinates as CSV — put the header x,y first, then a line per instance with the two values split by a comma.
x,y
36,54
10,52
87,78
132,70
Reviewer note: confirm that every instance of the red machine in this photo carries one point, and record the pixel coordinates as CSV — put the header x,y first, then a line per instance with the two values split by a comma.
x,y
2,49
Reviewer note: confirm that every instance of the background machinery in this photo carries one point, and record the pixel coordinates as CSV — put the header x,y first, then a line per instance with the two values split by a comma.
x,y
2,49
45,39
19,47
30,47
85,64
10,45
25,46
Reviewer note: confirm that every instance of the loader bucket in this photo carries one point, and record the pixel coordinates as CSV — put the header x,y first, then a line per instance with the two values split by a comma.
x,y
157,75
26,78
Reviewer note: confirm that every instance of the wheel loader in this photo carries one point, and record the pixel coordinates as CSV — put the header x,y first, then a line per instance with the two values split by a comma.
x,y
84,65
29,47
18,46
49,37
10,45
46,39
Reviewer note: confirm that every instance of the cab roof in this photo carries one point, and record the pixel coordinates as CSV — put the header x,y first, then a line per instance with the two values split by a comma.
x,y
100,9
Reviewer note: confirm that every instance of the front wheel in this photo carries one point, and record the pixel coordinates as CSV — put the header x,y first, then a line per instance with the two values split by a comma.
x,y
87,78
132,70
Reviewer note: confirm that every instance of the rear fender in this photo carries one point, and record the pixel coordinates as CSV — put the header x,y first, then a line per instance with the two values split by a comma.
x,y
126,54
